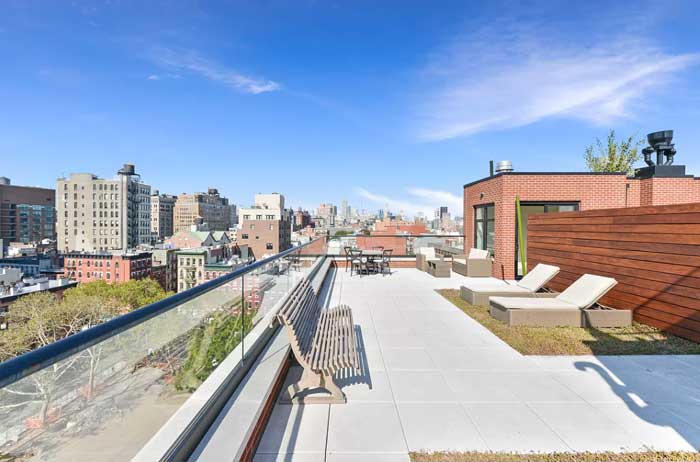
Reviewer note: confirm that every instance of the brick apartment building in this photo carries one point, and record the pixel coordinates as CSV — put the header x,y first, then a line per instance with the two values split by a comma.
x,y
27,214
108,267
164,268
266,227
490,210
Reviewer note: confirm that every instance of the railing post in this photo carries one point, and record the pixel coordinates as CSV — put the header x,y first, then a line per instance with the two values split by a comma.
x,y
242,317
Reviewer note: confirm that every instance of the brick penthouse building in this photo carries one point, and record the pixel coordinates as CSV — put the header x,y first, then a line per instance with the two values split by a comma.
x,y
489,203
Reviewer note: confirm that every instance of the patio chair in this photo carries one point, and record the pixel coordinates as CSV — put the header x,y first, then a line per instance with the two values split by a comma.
x,y
385,262
478,290
565,309
348,258
478,263
357,262
423,254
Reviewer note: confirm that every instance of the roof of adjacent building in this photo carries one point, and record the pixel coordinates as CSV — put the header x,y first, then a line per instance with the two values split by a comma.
x,y
497,175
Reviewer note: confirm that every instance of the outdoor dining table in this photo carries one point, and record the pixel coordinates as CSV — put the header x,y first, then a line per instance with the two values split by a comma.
x,y
371,254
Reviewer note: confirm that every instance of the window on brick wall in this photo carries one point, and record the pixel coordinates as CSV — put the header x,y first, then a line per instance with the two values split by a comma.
x,y
484,227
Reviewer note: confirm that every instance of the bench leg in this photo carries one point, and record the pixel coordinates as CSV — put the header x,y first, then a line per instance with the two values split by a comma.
x,y
310,380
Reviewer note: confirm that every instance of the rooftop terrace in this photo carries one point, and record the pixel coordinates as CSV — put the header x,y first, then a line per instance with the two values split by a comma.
x,y
431,378
434,379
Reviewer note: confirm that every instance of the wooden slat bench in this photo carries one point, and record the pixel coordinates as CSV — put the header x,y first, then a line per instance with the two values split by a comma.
x,y
323,342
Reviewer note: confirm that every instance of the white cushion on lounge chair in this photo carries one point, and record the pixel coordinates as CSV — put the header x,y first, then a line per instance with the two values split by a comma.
x,y
429,252
583,293
587,290
540,275
528,303
534,281
478,254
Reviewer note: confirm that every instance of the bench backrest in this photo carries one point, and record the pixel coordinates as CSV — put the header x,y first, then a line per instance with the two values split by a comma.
x,y
299,315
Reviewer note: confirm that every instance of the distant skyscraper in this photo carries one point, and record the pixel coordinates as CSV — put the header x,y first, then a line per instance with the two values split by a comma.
x,y
95,214
344,209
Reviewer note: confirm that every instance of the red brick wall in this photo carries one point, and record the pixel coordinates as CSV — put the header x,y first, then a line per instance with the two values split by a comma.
x,y
87,268
592,191
395,243
667,191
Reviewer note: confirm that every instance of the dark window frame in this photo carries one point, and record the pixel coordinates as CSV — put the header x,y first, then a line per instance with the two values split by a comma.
x,y
483,222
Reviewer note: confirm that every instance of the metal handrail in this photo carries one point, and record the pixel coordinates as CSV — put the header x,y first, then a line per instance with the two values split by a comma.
x,y
396,235
28,363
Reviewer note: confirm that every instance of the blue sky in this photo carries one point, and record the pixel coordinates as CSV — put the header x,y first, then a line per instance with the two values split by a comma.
x,y
377,102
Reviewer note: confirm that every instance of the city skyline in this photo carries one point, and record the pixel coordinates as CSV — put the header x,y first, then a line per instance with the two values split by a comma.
x,y
176,86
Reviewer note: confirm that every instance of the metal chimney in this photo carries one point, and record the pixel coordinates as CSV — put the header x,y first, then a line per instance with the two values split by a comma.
x,y
504,166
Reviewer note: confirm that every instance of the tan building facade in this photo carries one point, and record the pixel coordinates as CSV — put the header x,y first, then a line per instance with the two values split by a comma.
x,y
208,207
96,214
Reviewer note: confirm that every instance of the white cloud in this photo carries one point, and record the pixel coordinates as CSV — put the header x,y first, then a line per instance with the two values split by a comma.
x,y
189,61
424,201
513,75
153,77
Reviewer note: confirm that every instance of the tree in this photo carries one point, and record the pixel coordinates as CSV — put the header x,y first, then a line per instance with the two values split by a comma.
x,y
615,157
131,294
40,319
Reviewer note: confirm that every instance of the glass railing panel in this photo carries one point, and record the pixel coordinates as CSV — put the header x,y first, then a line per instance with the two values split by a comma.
x,y
135,380
105,401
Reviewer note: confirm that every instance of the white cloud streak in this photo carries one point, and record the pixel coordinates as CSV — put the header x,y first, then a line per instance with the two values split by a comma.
x,y
191,62
514,75
424,201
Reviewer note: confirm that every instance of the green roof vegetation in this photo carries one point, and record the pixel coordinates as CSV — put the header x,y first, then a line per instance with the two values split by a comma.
x,y
637,339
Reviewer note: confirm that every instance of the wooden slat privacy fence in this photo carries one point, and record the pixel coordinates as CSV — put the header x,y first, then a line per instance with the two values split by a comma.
x,y
653,252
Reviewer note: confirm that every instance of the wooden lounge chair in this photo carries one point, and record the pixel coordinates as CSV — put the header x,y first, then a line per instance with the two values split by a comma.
x,y
477,263
478,290
569,308
322,341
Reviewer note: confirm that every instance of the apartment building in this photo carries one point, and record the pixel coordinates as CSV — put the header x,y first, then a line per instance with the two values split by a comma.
x,y
328,213
162,215
302,219
107,266
196,266
164,268
96,214
209,208
266,227
27,213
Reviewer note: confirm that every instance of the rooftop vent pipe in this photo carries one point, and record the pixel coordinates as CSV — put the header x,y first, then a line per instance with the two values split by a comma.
x,y
504,166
